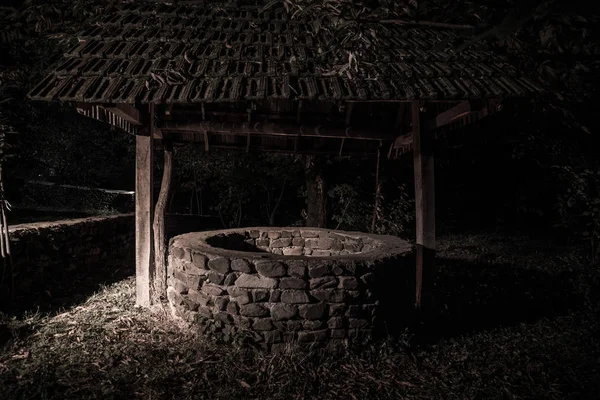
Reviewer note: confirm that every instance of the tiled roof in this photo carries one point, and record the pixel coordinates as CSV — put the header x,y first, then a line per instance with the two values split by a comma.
x,y
187,54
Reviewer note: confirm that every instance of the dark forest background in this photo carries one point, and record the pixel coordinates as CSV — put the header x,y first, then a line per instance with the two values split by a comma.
x,y
532,167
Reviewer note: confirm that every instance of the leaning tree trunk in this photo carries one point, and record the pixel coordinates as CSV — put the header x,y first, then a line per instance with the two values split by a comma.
x,y
316,192
160,211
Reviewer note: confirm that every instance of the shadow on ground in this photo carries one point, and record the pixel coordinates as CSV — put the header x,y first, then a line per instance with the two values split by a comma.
x,y
65,289
63,285
469,297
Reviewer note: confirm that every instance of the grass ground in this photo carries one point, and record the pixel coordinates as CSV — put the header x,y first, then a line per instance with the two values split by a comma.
x,y
527,329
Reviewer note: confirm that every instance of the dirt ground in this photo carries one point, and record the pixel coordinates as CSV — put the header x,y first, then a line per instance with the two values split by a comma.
x,y
516,318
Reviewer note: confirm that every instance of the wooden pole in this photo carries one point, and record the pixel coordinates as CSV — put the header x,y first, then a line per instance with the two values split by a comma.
x,y
5,243
377,191
159,281
316,200
144,162
424,202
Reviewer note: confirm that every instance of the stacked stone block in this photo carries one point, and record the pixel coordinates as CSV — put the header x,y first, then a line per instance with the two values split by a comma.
x,y
48,254
277,298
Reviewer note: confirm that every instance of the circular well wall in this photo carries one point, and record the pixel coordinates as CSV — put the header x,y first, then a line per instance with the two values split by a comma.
x,y
281,285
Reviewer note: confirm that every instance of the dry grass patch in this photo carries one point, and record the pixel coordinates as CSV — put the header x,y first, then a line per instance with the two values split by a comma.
x,y
107,348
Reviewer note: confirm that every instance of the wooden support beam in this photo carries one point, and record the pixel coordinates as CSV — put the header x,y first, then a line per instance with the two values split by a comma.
x,y
144,162
424,203
299,112
422,24
349,107
276,129
316,189
159,280
377,204
400,116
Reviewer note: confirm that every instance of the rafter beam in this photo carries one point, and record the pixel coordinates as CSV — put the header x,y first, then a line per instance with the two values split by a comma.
x,y
124,115
457,112
479,110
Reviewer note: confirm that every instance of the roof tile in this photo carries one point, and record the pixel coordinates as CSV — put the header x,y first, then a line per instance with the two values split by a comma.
x,y
168,53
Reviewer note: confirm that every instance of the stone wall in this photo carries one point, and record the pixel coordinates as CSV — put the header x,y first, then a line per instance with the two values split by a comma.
x,y
48,252
281,285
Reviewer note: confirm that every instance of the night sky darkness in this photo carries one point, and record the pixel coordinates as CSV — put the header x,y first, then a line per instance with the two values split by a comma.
x,y
465,128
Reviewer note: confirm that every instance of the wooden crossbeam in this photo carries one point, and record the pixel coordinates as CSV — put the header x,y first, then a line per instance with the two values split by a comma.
x,y
275,129
449,116
461,110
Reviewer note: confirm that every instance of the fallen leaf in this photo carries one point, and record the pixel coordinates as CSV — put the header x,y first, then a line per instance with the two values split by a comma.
x,y
244,384
21,356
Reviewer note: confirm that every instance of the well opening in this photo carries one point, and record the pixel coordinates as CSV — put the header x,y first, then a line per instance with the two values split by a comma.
x,y
297,242
281,285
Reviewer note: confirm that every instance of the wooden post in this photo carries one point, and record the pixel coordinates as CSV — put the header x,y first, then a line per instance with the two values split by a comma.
x,y
377,191
316,191
144,162
159,281
424,202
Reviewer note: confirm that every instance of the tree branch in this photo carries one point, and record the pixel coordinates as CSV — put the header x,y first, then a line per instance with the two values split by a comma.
x,y
272,215
343,213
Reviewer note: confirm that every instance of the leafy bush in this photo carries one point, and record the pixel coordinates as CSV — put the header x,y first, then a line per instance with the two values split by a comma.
x,y
240,188
578,205
55,197
395,216
352,212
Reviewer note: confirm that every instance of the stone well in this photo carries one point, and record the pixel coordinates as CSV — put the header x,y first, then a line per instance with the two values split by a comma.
x,y
283,285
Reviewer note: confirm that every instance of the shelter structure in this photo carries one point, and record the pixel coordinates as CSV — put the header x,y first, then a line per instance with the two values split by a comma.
x,y
236,76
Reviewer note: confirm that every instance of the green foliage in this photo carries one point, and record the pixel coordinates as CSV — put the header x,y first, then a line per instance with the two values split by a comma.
x,y
579,204
349,211
555,41
241,188
395,216
52,142
6,130
352,209
64,147
35,196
